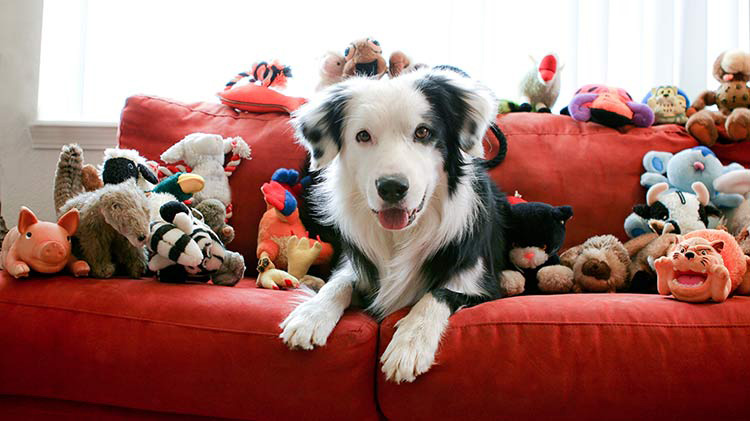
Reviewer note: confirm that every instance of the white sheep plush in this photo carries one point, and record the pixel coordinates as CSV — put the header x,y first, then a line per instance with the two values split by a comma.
x,y
204,153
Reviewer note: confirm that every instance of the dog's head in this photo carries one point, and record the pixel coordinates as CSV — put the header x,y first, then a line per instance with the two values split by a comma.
x,y
398,141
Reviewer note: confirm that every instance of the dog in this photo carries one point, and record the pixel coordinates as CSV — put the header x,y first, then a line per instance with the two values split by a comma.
x,y
403,180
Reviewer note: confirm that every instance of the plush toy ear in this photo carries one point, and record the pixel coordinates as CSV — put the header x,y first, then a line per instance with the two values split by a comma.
x,y
569,256
684,96
26,218
69,221
642,210
563,213
319,124
737,181
718,245
147,174
656,162
467,106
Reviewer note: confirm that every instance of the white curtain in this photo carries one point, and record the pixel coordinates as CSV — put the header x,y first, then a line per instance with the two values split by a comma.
x,y
95,53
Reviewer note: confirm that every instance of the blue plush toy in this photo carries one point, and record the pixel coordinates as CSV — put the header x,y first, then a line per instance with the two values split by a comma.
x,y
680,171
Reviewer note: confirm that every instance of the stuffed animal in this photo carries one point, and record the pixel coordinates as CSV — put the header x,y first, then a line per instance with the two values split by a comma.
x,y
331,70
399,63
540,87
204,153
668,210
737,219
181,185
609,106
285,253
600,264
113,229
669,104
364,57
43,247
732,70
536,233
215,216
705,265
183,248
643,251
686,167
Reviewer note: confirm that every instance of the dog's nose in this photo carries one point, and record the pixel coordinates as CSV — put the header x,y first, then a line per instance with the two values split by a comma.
x,y
689,255
392,188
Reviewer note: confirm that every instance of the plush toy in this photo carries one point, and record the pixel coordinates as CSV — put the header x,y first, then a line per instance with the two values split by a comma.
x,y
643,251
262,93
600,264
399,63
732,70
183,248
285,253
204,153
669,104
668,210
686,167
181,185
331,70
113,229
609,106
536,233
705,265
737,219
215,216
364,57
540,87
43,247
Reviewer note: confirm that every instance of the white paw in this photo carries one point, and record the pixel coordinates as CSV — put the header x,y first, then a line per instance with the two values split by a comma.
x,y
512,282
410,353
308,325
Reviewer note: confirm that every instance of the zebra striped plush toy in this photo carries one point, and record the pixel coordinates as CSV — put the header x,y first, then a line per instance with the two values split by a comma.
x,y
183,248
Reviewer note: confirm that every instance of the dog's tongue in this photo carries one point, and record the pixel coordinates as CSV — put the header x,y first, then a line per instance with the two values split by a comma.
x,y
393,219
691,279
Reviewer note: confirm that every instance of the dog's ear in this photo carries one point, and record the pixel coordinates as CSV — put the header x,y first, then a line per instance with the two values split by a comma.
x,y
319,125
465,105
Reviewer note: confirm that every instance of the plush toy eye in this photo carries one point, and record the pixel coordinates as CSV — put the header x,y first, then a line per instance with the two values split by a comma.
x,y
704,252
376,43
115,206
28,235
68,238
349,52
363,136
131,166
422,133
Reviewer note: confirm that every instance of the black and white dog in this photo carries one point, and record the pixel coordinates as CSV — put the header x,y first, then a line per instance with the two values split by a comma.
x,y
404,182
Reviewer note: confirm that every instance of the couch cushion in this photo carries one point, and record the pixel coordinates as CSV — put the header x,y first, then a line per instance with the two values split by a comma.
x,y
595,169
582,357
193,349
151,125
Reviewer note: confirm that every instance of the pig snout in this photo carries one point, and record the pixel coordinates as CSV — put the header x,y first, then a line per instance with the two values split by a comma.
x,y
52,252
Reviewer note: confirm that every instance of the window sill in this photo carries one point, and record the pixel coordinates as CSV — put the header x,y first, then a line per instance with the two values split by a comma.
x,y
55,134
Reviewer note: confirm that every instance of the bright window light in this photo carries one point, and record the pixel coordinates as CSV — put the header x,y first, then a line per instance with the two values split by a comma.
x,y
96,53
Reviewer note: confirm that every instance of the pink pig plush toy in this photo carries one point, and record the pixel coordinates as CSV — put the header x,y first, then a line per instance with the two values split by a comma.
x,y
40,246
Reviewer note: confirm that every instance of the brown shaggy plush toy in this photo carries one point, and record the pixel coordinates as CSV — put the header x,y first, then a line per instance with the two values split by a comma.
x,y
599,265
364,57
113,229
732,70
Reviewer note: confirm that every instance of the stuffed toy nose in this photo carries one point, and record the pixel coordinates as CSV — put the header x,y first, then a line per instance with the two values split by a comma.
x,y
529,255
699,166
52,252
727,77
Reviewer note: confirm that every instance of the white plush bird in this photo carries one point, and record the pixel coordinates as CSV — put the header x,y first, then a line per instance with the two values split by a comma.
x,y
541,85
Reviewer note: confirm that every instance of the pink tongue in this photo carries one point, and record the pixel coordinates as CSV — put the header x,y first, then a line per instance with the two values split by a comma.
x,y
393,219
690,279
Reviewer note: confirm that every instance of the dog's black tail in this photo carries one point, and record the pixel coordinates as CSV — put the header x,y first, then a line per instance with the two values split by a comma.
x,y
502,148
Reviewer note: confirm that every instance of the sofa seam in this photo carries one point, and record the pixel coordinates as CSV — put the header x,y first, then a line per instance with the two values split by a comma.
x,y
237,116
600,324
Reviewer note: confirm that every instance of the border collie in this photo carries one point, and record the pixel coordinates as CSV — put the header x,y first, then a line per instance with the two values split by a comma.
x,y
403,181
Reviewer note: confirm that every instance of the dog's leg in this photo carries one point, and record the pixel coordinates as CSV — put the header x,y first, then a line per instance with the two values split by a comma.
x,y
312,321
415,342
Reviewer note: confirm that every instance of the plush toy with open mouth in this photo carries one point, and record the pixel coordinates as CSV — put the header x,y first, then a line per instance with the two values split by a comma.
x,y
706,265
609,106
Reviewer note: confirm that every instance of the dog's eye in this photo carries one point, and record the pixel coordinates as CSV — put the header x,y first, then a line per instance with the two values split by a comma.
x,y
363,136
422,133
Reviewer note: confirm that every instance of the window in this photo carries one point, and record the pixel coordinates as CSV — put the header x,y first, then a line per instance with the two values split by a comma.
x,y
95,53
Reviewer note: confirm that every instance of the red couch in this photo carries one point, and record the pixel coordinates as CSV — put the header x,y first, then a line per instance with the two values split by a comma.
x,y
138,349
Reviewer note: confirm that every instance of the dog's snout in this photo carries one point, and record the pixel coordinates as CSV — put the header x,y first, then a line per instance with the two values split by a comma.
x,y
392,188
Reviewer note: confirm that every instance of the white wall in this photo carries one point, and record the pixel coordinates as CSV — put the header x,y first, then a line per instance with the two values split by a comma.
x,y
26,174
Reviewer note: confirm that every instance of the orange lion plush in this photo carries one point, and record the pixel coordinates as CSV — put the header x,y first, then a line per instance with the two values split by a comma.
x,y
705,265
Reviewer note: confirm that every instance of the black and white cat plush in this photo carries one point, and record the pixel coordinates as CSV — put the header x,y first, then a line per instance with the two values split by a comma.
x,y
537,231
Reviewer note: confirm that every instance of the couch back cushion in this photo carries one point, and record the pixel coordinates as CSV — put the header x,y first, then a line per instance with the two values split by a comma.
x,y
151,125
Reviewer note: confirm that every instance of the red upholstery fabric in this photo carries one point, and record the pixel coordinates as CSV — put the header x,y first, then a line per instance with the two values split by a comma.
x,y
192,349
151,125
595,169
583,357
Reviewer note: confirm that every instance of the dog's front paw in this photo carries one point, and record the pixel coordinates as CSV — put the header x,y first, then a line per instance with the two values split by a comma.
x,y
307,326
410,353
